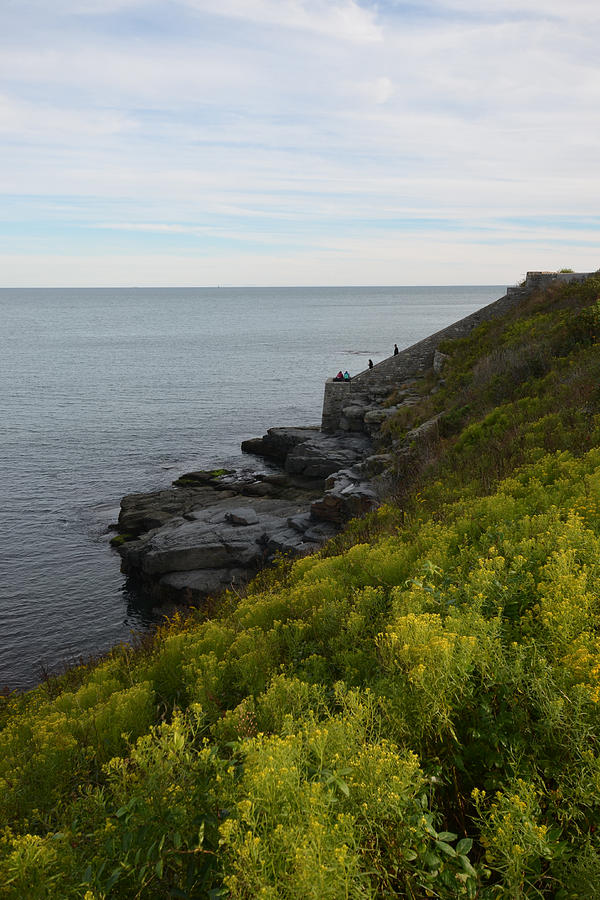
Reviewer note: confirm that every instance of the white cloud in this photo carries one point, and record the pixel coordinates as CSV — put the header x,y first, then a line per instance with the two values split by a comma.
x,y
35,121
299,122
130,77
586,10
344,19
76,7
380,90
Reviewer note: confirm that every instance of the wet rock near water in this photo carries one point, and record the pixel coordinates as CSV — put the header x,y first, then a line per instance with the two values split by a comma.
x,y
215,529
278,442
141,513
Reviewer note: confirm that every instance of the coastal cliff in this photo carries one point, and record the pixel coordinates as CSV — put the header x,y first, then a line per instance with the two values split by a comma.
x,y
215,530
410,711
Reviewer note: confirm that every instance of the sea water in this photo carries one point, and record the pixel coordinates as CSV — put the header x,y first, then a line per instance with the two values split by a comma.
x,y
106,392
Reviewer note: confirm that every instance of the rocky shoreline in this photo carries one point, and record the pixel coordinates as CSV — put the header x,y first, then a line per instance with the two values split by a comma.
x,y
213,530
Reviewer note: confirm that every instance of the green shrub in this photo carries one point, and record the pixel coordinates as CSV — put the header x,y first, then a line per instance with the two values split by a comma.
x,y
412,712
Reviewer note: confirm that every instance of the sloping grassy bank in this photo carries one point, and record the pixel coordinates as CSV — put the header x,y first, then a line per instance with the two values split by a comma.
x,y
413,712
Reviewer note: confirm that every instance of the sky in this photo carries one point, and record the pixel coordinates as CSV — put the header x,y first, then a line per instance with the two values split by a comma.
x,y
281,142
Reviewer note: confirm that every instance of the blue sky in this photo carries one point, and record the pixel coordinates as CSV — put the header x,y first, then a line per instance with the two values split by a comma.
x,y
297,141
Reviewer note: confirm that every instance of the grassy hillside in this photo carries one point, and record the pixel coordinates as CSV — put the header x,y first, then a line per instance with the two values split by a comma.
x,y
413,712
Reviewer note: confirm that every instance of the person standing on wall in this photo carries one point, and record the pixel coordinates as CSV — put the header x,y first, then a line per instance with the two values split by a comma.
x,y
396,351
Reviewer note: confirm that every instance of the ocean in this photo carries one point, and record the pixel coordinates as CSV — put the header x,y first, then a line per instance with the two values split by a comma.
x,y
107,392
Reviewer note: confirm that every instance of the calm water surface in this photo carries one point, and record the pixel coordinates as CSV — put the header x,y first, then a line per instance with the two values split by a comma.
x,y
106,392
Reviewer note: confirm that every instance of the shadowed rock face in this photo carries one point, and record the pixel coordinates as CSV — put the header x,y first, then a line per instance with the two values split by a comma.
x,y
278,442
348,495
325,454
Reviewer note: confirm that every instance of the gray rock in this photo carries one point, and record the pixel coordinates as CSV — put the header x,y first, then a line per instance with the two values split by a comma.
x,y
242,516
325,454
259,489
376,417
320,532
284,540
300,522
426,433
200,535
439,361
197,545
143,512
198,584
278,478
347,495
277,442
352,418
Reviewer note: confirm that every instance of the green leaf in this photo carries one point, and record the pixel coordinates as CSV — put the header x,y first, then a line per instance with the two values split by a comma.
x,y
343,787
158,868
112,880
432,860
447,836
464,846
467,865
445,848
177,840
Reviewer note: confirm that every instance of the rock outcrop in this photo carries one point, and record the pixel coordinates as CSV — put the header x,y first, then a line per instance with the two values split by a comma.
x,y
348,494
212,530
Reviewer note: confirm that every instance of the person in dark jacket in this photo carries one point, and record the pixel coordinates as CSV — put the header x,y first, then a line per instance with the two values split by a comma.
x,y
396,351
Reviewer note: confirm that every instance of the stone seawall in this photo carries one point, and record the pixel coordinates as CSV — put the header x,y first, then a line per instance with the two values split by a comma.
x,y
341,399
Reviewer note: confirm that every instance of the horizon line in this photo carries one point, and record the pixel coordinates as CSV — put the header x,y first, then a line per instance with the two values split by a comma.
x,y
141,287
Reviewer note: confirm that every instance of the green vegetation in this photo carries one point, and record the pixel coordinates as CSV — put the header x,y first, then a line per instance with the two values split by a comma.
x,y
413,712
119,539
200,478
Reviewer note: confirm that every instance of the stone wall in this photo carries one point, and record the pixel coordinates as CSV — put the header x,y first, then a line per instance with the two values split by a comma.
x,y
342,400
